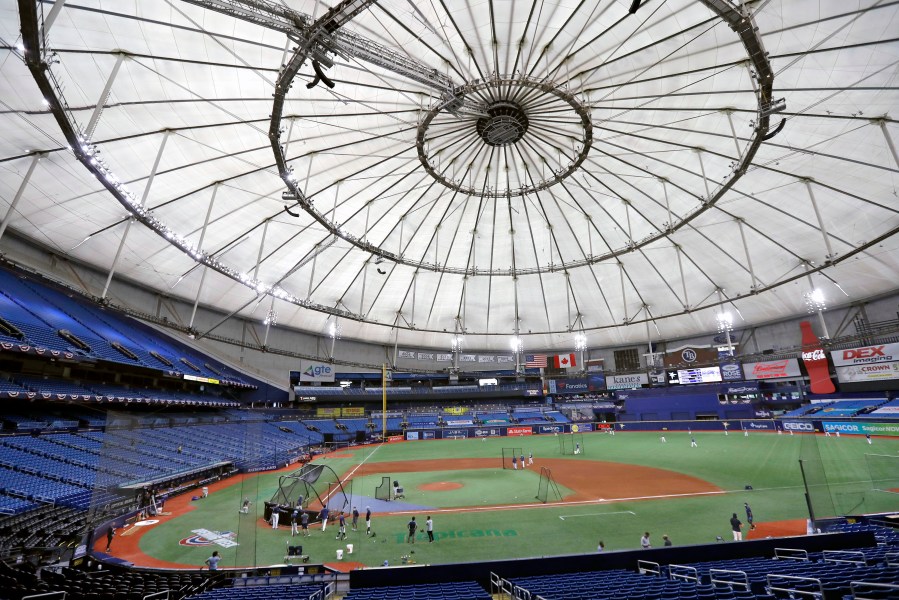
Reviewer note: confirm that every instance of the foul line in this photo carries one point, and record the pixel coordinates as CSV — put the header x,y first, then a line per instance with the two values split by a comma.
x,y
351,473
616,512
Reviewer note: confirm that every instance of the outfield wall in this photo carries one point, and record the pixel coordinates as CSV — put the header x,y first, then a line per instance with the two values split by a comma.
x,y
557,428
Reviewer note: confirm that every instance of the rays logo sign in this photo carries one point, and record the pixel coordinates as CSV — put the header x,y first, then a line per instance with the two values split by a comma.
x,y
205,537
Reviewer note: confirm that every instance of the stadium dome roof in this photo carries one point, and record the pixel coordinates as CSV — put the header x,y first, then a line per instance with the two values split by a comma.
x,y
491,167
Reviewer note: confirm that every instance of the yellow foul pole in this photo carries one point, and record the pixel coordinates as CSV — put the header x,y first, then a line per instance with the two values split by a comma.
x,y
383,401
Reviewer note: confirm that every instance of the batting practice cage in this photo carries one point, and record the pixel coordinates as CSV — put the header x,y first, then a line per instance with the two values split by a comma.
x,y
509,454
312,487
837,484
547,490
570,443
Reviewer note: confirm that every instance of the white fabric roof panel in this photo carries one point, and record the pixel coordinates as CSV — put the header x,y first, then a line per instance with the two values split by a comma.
x,y
672,105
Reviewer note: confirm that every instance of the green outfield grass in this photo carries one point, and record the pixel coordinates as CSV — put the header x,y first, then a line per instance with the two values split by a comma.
x,y
767,462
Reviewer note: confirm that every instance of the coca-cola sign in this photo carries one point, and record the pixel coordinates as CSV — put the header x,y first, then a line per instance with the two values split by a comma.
x,y
815,361
772,369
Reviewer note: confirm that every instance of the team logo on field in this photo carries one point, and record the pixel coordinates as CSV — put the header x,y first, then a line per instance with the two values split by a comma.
x,y
205,537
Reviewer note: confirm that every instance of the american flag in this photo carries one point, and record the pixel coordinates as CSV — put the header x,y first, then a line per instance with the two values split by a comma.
x,y
535,360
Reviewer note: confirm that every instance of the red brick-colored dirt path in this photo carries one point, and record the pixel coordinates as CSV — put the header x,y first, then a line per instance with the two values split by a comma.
x,y
777,529
588,479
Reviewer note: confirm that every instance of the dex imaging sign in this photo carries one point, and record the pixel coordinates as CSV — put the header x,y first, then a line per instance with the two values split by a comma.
x,y
315,371
866,355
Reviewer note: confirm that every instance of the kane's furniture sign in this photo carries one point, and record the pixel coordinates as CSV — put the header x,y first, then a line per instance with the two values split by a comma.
x,y
626,382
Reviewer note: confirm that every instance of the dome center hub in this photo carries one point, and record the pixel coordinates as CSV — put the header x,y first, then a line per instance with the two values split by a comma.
x,y
505,124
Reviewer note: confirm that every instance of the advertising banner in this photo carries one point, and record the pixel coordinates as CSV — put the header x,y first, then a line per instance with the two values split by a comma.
x,y
866,355
425,356
316,371
799,426
406,354
353,411
758,425
395,438
741,388
519,430
550,429
577,385
604,426
488,432
444,358
626,382
869,372
815,361
327,412
581,427
411,435
455,433
459,422
862,428
731,370
772,369
428,435
456,410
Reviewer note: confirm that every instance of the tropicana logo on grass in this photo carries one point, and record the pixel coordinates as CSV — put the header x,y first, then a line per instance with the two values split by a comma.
x,y
205,537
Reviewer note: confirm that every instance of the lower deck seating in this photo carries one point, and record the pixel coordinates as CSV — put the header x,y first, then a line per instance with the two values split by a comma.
x,y
466,590
263,592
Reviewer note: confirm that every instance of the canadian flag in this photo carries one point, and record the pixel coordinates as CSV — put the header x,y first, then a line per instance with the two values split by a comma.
x,y
564,361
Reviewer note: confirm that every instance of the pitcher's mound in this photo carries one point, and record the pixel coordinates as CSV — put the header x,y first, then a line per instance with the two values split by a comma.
x,y
439,486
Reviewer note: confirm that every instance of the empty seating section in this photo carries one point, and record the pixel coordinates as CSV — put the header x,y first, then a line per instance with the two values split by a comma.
x,y
831,572
466,590
849,408
14,506
50,388
41,312
493,418
422,420
62,468
885,411
121,585
263,592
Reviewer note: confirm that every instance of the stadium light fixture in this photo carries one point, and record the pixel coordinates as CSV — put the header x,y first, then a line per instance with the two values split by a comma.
x,y
516,344
725,321
580,342
815,300
271,318
457,342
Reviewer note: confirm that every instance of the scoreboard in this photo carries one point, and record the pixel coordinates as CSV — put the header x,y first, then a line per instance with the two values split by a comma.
x,y
697,375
